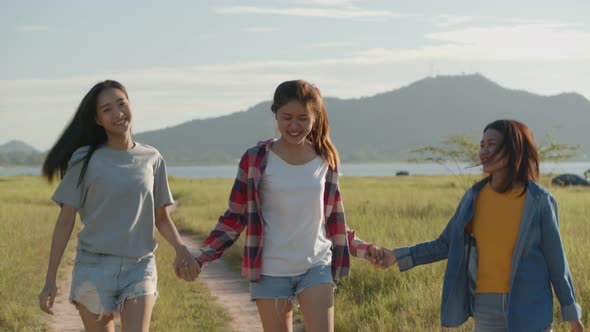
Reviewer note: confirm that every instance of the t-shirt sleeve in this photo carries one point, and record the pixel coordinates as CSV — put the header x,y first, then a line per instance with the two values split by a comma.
x,y
162,194
68,191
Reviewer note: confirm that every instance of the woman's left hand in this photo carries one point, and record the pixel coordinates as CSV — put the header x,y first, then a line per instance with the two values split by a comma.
x,y
185,265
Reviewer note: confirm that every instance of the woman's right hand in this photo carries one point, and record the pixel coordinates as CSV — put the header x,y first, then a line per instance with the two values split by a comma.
x,y
185,265
47,297
388,258
380,257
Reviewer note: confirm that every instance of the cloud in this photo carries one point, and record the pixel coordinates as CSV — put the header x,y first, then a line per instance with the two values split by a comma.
x,y
333,3
522,20
36,111
524,42
349,13
32,28
261,29
445,21
168,96
328,45
515,42
531,42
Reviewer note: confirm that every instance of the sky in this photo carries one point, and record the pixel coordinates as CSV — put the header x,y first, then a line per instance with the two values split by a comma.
x,y
186,60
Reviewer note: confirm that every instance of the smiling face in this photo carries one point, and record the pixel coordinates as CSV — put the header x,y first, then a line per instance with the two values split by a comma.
x,y
492,160
294,122
113,113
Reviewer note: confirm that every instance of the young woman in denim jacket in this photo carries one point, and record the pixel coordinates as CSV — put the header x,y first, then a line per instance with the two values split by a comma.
x,y
503,245
287,198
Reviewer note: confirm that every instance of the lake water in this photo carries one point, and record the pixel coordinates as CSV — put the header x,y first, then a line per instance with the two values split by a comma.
x,y
229,171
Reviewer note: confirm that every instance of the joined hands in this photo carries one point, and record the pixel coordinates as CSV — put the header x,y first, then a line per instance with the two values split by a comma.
x,y
185,265
380,257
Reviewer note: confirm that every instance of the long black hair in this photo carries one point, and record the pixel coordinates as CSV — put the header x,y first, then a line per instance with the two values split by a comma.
x,y
82,130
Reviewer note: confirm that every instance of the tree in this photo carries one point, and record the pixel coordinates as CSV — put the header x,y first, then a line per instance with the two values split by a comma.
x,y
458,149
550,150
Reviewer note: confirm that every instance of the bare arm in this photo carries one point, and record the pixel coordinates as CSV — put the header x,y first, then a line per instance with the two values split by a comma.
x,y
185,265
61,235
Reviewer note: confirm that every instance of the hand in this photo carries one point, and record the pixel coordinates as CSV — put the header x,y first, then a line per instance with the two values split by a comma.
x,y
185,265
374,255
47,297
576,326
388,258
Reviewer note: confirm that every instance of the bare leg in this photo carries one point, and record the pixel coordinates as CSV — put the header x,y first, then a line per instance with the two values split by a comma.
x,y
317,307
91,322
275,314
137,313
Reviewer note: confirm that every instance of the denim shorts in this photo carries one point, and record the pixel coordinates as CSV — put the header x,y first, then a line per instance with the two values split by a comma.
x,y
102,283
272,287
490,312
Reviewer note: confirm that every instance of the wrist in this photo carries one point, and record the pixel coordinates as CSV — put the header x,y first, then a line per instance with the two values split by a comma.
x,y
362,250
50,280
180,247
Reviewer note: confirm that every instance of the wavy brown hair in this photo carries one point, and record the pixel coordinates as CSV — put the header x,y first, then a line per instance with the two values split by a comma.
x,y
311,98
519,148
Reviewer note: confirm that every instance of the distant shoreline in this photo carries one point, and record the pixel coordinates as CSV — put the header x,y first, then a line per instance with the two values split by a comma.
x,y
393,162
367,169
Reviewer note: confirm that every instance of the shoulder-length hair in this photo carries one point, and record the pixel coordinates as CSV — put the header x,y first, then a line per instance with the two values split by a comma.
x,y
519,148
310,97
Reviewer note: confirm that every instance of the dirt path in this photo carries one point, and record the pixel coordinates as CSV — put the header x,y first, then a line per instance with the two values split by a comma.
x,y
229,287
232,292
65,316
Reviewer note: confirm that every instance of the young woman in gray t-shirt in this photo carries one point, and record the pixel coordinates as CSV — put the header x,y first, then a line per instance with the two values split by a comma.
x,y
119,188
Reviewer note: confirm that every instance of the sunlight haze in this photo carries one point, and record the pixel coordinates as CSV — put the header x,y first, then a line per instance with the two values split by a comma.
x,y
187,60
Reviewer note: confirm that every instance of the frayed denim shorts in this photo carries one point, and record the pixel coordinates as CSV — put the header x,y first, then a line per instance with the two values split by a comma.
x,y
272,287
102,283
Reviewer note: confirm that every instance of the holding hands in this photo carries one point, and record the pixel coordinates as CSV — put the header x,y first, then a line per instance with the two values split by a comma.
x,y
185,265
380,257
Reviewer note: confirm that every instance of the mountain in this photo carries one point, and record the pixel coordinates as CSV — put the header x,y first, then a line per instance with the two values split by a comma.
x,y
213,141
386,126
16,146
379,128
18,153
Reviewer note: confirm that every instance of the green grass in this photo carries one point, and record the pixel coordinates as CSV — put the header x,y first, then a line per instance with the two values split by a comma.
x,y
183,306
404,211
28,216
394,211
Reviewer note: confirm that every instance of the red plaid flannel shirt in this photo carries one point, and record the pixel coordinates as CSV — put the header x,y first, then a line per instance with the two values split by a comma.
x,y
243,214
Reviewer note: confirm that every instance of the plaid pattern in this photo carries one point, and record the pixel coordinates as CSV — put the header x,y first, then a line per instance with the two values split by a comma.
x,y
243,213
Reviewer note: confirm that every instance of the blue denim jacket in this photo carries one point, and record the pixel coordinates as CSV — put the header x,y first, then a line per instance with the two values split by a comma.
x,y
538,262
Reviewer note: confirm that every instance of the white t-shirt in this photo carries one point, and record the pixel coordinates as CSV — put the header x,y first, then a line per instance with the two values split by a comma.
x,y
116,198
292,206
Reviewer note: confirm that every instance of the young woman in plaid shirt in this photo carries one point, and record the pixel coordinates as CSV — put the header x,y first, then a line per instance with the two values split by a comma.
x,y
286,196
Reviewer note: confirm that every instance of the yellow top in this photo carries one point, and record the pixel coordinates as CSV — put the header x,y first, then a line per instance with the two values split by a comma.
x,y
496,223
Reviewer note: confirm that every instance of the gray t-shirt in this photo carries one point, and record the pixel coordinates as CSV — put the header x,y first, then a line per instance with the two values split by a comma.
x,y
116,198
